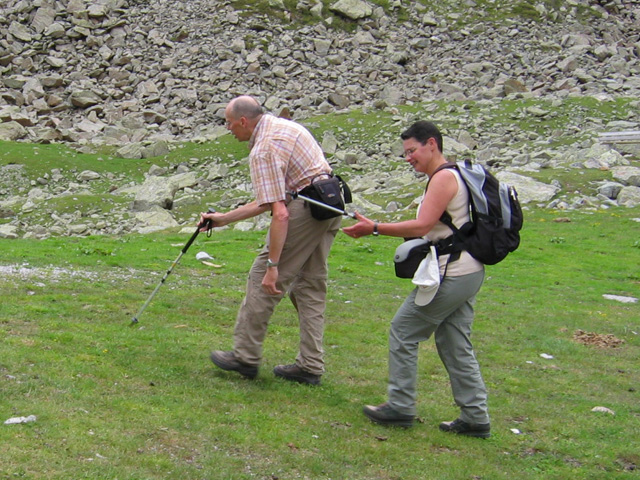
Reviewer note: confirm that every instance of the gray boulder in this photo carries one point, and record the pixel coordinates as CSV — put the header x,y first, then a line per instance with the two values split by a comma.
x,y
155,191
156,149
529,190
610,189
629,197
153,220
132,151
87,176
12,131
8,231
601,156
20,32
353,9
160,191
43,19
627,175
84,99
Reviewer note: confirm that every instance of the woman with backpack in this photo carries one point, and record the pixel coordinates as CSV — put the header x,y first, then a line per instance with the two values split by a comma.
x,y
446,311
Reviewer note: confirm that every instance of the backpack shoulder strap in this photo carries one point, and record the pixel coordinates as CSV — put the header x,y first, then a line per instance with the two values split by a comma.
x,y
449,245
445,218
442,167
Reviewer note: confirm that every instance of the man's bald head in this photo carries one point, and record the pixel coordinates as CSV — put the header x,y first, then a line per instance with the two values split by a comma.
x,y
242,115
244,106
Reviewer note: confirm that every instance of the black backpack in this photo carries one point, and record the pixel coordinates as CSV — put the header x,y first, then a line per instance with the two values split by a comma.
x,y
496,217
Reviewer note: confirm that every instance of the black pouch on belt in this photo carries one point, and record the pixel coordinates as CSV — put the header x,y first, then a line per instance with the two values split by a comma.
x,y
328,191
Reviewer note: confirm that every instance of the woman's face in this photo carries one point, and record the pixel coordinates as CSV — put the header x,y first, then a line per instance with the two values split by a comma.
x,y
417,154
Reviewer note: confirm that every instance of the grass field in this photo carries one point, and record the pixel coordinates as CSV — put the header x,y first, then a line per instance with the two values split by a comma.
x,y
118,402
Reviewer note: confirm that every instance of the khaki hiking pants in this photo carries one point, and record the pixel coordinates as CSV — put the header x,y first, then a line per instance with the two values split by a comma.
x,y
302,274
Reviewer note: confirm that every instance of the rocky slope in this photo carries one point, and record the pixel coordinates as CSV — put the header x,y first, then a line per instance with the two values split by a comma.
x,y
141,75
118,71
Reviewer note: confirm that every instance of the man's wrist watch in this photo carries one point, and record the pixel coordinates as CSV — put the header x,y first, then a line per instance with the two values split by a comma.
x,y
375,229
272,264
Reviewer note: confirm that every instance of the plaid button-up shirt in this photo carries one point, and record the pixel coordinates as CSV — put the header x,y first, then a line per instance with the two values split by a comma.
x,y
284,157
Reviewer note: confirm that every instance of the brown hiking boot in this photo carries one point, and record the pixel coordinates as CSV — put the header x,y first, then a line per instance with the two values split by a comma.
x,y
228,361
384,414
296,374
460,427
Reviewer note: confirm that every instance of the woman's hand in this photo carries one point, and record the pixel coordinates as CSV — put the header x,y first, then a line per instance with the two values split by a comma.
x,y
360,229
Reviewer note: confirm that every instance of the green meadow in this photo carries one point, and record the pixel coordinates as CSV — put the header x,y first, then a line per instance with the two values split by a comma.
x,y
114,400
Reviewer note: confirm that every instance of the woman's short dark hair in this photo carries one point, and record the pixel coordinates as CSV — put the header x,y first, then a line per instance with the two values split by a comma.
x,y
423,131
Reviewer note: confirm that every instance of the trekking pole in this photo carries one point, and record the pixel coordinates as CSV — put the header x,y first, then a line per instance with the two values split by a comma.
x,y
295,195
175,262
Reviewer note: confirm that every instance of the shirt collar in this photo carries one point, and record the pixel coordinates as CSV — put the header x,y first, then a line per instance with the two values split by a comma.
x,y
256,131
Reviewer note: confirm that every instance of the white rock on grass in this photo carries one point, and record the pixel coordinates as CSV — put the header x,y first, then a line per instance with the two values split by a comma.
x,y
17,420
620,298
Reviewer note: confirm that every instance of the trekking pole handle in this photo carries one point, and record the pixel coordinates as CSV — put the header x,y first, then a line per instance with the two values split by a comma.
x,y
207,223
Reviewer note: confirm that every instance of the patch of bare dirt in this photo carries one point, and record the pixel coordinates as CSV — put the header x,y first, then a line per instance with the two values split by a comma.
x,y
597,339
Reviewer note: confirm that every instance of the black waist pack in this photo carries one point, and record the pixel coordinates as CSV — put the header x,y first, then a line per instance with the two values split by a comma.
x,y
332,191
412,251
409,255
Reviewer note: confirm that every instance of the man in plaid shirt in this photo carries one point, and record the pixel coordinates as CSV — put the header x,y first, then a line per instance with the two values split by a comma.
x,y
284,157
